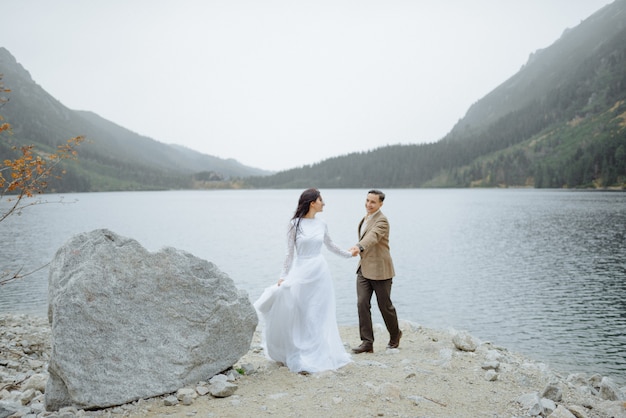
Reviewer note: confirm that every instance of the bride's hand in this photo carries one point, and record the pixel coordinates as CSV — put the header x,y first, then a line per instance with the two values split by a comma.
x,y
280,281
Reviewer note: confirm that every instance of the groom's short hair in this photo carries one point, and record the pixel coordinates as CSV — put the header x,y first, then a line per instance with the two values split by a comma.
x,y
378,193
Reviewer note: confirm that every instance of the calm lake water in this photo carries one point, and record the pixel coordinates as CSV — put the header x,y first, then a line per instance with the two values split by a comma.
x,y
541,272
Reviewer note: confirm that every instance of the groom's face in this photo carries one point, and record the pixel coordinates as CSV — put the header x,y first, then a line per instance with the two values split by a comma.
x,y
372,203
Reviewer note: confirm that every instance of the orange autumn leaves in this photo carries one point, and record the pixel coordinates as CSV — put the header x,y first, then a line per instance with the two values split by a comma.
x,y
27,172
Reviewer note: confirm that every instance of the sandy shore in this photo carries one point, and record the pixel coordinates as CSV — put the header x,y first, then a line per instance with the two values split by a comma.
x,y
428,376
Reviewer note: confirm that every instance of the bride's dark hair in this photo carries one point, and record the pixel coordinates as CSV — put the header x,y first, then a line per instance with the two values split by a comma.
x,y
304,203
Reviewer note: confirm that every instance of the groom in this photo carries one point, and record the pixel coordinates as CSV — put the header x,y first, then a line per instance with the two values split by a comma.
x,y
374,274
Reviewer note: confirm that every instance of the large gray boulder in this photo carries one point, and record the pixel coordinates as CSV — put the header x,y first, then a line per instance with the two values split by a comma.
x,y
128,324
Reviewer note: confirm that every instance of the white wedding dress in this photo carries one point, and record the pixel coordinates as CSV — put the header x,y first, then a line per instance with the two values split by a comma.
x,y
298,317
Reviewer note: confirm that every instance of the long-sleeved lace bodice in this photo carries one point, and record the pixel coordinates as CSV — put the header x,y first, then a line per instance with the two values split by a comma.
x,y
311,234
298,316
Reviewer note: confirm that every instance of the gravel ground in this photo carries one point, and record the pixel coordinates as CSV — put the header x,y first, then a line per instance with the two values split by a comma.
x,y
428,376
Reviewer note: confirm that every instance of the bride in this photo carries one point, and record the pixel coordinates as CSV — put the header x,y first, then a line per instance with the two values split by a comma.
x,y
298,313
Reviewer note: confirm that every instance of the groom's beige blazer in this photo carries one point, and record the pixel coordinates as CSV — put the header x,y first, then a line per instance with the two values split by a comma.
x,y
375,263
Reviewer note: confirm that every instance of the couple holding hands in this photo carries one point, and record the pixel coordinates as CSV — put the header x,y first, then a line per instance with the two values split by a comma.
x,y
298,313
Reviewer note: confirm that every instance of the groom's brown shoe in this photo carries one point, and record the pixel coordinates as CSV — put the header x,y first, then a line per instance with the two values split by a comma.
x,y
363,348
395,343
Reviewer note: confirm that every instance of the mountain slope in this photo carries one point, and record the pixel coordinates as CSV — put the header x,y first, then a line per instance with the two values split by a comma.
x,y
164,156
548,69
112,158
559,122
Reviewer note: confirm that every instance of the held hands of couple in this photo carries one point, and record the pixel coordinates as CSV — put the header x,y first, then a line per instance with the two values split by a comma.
x,y
355,250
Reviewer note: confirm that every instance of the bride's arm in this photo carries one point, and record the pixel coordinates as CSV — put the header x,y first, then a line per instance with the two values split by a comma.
x,y
333,247
291,250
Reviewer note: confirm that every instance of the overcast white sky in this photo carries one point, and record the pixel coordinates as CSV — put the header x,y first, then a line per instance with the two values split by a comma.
x,y
280,84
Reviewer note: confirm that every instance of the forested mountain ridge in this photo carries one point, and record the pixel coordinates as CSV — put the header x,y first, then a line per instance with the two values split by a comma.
x,y
559,122
547,69
112,157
